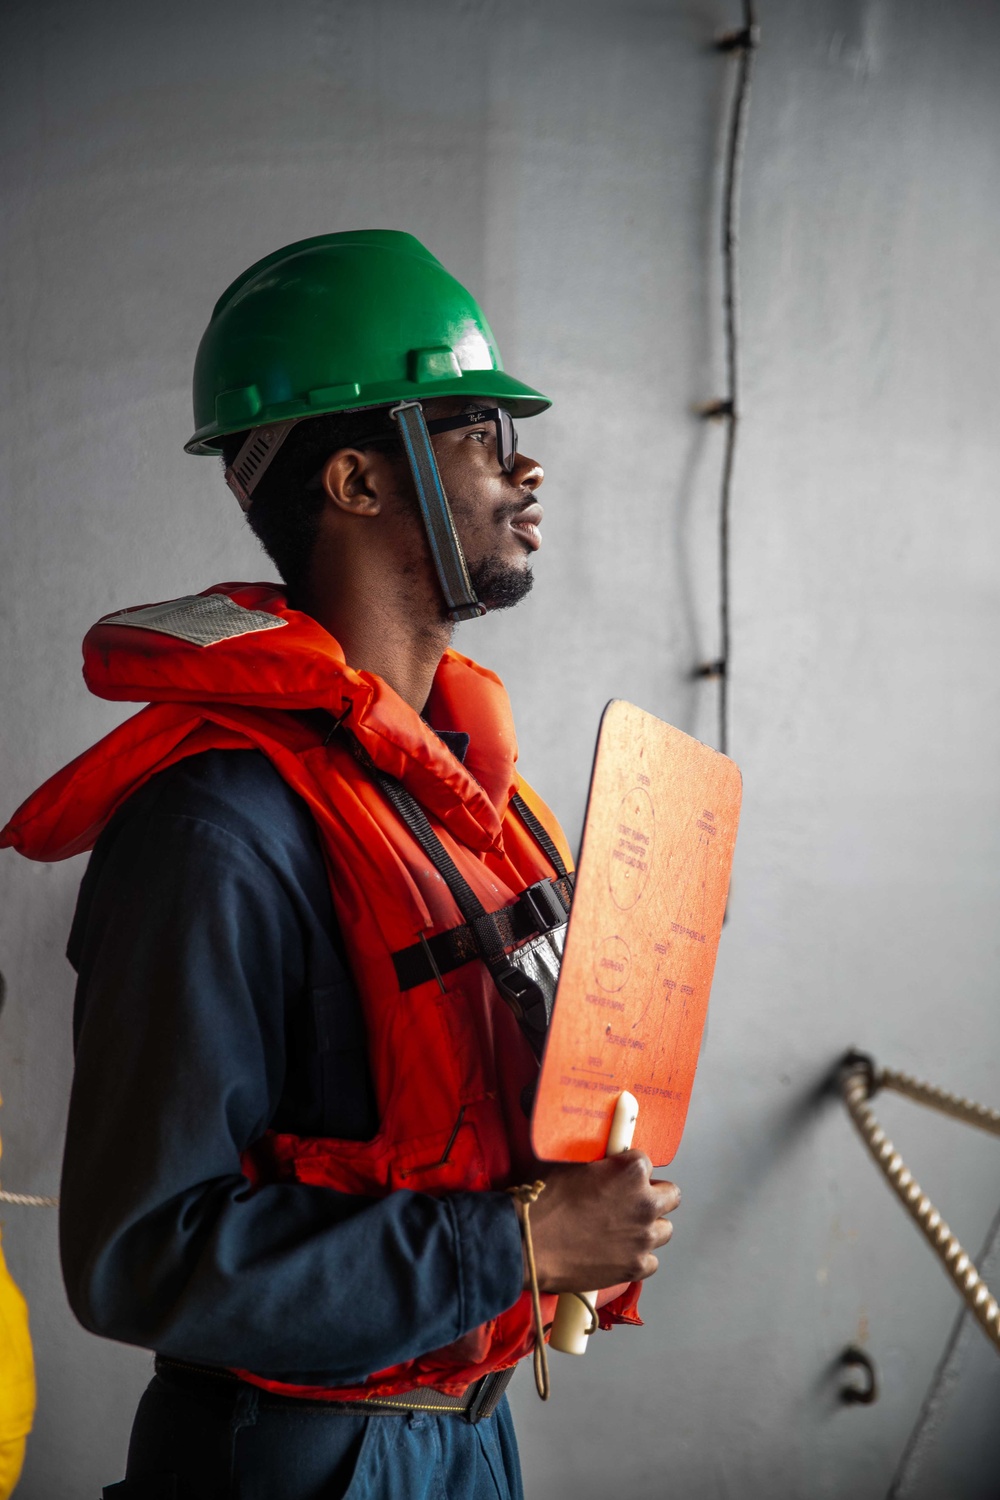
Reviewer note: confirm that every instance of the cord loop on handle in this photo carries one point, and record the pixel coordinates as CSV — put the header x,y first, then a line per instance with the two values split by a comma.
x,y
524,1196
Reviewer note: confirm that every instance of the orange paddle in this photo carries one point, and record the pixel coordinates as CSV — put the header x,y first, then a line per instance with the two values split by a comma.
x,y
640,950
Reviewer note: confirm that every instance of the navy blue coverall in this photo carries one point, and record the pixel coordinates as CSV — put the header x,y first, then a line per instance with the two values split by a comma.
x,y
214,1002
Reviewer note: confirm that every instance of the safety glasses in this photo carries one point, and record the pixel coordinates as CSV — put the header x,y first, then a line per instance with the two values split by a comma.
x,y
503,423
506,432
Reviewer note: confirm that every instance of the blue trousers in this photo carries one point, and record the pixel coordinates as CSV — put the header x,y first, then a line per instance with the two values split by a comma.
x,y
238,1443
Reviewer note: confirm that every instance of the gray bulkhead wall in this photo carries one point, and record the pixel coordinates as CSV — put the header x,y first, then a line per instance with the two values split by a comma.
x,y
563,158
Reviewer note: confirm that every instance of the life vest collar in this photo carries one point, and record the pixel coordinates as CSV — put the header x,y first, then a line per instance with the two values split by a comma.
x,y
230,676
302,667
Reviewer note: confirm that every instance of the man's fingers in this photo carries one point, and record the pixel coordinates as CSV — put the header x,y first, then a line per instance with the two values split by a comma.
x,y
633,1161
647,1263
657,1234
668,1196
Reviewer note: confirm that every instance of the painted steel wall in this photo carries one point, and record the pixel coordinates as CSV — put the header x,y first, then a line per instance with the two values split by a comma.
x,y
562,156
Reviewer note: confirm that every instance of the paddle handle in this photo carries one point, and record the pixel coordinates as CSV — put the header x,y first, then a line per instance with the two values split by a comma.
x,y
572,1320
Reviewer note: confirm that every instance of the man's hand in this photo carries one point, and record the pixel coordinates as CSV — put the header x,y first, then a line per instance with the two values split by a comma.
x,y
599,1223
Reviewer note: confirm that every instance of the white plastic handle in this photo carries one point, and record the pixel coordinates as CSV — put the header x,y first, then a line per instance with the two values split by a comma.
x,y
572,1320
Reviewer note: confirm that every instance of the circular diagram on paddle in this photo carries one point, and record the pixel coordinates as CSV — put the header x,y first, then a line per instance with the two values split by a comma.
x,y
632,848
613,964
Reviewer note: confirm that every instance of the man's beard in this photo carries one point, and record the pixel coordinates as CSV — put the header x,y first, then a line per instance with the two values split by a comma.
x,y
500,585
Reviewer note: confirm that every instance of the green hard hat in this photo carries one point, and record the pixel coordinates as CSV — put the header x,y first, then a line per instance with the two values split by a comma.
x,y
339,322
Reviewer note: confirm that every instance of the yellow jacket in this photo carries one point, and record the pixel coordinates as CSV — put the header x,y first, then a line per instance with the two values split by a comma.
x,y
17,1381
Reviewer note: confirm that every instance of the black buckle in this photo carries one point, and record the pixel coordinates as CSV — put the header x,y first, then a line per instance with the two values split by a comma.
x,y
544,904
525,998
487,1398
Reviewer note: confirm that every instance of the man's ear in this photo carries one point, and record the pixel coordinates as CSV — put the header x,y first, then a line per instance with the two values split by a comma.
x,y
352,482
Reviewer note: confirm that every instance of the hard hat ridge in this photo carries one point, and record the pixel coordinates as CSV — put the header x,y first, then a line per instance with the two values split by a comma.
x,y
383,239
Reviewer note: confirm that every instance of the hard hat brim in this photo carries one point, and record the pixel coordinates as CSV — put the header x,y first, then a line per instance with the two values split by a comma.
x,y
520,400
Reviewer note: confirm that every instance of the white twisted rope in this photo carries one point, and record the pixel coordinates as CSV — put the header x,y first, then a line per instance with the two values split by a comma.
x,y
28,1200
859,1080
928,1093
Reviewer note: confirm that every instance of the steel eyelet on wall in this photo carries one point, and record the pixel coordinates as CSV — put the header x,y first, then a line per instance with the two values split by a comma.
x,y
851,1392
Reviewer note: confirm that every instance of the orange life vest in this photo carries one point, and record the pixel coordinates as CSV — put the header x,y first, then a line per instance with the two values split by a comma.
x,y
236,668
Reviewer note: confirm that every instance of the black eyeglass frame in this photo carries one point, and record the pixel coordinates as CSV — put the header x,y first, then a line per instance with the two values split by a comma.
x,y
503,422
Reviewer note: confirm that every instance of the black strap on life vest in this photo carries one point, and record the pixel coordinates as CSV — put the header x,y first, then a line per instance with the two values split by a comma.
x,y
487,935
541,908
541,835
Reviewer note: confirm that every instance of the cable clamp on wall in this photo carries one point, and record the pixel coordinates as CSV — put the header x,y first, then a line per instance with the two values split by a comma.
x,y
742,40
714,411
710,669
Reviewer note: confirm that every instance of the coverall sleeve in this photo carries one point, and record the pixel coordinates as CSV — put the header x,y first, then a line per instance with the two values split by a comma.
x,y
191,943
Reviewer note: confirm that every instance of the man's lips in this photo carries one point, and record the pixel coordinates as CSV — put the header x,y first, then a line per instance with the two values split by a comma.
x,y
526,522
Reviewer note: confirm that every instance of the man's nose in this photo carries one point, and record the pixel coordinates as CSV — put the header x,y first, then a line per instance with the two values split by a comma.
x,y
528,472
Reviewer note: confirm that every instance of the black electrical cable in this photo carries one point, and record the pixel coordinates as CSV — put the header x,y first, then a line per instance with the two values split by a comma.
x,y
743,44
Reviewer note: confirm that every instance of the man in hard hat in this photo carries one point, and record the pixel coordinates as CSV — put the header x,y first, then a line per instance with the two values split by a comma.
x,y
317,939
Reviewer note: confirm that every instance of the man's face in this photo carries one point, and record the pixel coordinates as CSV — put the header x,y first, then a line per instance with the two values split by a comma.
x,y
496,513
